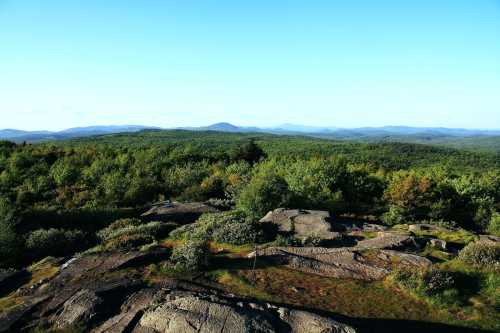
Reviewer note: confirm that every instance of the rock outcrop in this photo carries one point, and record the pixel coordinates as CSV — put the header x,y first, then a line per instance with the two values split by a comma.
x,y
387,240
307,322
81,307
186,212
347,263
489,238
211,313
301,223
106,293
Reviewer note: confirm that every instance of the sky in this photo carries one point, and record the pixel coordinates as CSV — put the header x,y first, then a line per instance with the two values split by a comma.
x,y
172,63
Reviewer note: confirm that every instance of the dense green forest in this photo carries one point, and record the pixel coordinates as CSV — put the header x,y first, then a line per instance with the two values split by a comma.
x,y
67,190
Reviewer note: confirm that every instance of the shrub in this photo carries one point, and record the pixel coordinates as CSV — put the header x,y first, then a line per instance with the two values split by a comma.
x,y
151,229
494,225
231,227
481,254
425,282
191,256
236,233
265,192
395,215
44,242
285,241
435,281
10,245
117,225
128,242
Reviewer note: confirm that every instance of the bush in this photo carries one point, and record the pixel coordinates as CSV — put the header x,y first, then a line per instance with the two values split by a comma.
x,y
266,191
481,254
435,281
231,227
10,245
44,242
128,242
117,225
395,215
494,225
191,256
425,282
151,229
131,233
236,233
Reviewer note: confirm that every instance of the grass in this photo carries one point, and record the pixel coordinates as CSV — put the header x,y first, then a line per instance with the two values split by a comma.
x,y
238,284
459,236
475,299
435,255
353,298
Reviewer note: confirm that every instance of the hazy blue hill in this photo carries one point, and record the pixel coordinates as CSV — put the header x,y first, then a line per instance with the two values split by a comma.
x,y
36,136
13,133
485,140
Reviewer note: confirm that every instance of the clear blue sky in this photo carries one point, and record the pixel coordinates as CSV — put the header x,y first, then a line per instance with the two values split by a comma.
x,y
257,62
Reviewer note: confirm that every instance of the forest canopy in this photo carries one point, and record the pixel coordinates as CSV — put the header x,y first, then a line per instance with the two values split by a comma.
x,y
93,179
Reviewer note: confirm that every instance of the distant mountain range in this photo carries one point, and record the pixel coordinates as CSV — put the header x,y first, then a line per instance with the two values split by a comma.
x,y
457,137
35,136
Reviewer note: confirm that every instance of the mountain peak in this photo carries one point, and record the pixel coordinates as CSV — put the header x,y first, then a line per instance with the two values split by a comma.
x,y
223,126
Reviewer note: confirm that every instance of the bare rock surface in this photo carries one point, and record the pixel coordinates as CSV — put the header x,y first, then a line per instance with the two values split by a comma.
x,y
438,243
388,241
351,263
489,238
106,293
210,313
301,223
307,322
80,308
186,212
194,314
130,310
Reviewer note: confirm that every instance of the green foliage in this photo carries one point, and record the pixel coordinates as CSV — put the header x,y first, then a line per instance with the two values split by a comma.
x,y
54,242
494,225
232,227
126,234
249,152
192,256
395,215
265,192
81,183
481,254
437,285
10,245
128,241
316,183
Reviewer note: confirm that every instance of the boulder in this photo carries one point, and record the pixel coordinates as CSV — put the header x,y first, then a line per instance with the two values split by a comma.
x,y
307,322
211,313
438,243
346,263
301,223
195,314
357,226
130,310
387,240
9,320
80,308
186,212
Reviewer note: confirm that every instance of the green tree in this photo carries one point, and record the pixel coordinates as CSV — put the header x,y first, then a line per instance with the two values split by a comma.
x,y
266,191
